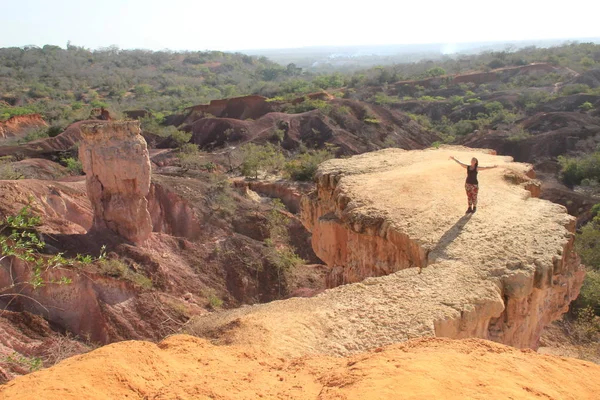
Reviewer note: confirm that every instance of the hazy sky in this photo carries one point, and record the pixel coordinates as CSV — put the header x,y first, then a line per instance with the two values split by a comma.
x,y
245,24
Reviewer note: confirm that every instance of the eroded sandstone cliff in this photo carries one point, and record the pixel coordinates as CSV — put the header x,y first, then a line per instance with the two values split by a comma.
x,y
20,124
502,273
117,166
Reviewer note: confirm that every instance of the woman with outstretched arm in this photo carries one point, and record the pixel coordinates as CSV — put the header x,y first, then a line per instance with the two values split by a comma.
x,y
472,184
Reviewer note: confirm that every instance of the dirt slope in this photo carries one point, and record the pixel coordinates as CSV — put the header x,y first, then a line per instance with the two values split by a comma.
x,y
183,367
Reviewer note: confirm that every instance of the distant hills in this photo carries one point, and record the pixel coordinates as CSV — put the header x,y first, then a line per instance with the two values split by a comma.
x,y
354,57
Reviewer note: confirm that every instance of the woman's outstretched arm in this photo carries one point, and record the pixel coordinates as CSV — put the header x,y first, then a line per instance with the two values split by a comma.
x,y
493,166
458,162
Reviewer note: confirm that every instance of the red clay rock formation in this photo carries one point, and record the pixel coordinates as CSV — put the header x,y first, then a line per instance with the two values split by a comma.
x,y
101,114
236,108
19,124
39,168
117,165
62,142
348,131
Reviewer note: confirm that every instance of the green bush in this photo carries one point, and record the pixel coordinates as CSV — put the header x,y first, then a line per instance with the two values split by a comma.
x,y
118,269
530,100
278,135
383,99
587,106
435,71
494,106
214,301
256,158
304,166
73,165
7,112
7,171
371,120
464,127
519,134
587,245
590,292
179,137
456,101
432,98
34,134
575,89
576,169
309,105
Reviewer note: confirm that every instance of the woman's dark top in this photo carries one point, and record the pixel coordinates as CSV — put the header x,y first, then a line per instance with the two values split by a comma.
x,y
472,176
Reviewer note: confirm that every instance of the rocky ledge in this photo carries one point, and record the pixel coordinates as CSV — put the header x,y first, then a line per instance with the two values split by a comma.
x,y
394,220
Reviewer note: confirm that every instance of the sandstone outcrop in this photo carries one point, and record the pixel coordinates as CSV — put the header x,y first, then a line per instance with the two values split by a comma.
x,y
19,124
502,273
117,166
183,367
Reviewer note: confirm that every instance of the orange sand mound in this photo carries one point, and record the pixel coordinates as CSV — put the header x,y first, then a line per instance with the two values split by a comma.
x,y
185,367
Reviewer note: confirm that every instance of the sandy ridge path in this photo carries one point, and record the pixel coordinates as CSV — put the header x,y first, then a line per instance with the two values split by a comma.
x,y
184,367
471,259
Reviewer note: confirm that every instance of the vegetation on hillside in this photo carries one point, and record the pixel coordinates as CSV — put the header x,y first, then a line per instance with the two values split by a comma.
x,y
66,84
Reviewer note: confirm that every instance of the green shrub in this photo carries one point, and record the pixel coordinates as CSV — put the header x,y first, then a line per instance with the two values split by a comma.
x,y
8,112
19,239
73,165
309,105
278,135
496,63
587,106
456,101
494,106
518,135
220,196
55,130
576,169
34,134
256,158
587,245
304,166
7,171
383,99
530,100
214,302
586,327
30,364
435,71
423,120
118,269
188,148
575,89
371,120
179,137
589,297
464,127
